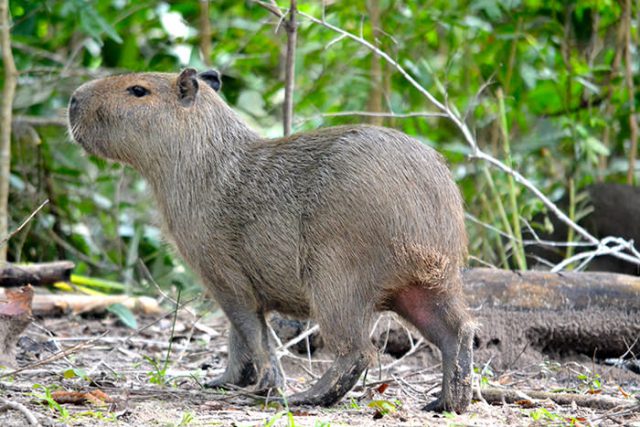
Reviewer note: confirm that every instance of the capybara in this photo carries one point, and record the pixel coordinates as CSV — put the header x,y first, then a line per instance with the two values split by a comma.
x,y
333,225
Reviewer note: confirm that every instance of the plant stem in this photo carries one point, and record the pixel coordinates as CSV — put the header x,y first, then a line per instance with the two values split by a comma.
x,y
518,246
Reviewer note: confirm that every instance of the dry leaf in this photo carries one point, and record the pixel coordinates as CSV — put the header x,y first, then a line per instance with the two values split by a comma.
x,y
95,397
382,388
18,302
525,403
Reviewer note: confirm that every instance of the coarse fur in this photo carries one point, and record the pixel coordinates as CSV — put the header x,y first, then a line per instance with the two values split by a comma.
x,y
334,224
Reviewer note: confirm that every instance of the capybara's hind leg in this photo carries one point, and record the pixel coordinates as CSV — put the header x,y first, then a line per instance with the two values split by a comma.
x,y
344,320
335,382
440,315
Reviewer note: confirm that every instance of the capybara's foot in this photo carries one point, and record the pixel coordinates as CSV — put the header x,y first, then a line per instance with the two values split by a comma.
x,y
271,379
242,377
456,404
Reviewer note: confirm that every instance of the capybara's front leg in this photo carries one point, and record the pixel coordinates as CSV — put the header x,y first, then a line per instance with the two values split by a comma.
x,y
252,358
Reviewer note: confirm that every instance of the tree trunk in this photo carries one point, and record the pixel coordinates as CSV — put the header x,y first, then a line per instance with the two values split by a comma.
x,y
8,92
205,33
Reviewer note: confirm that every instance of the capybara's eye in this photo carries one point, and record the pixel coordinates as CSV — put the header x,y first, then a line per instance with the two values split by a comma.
x,y
138,91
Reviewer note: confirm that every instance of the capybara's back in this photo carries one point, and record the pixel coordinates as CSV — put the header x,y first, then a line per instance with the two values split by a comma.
x,y
335,224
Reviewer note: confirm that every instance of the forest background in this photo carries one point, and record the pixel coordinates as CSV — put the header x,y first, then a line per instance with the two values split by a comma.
x,y
547,87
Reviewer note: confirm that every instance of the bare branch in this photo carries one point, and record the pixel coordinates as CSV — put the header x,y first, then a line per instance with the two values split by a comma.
x,y
271,7
39,121
8,404
374,114
291,28
290,68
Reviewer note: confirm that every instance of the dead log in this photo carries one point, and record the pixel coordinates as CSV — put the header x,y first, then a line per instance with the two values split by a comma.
x,y
543,290
525,315
14,275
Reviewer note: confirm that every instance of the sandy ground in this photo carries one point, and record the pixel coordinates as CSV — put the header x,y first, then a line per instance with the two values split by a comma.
x,y
127,365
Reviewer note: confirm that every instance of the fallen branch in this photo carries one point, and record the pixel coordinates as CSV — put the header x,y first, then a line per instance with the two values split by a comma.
x,y
56,304
497,396
535,290
13,275
8,404
56,356
40,121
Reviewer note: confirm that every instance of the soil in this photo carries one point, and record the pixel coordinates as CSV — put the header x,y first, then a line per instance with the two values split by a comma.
x,y
127,365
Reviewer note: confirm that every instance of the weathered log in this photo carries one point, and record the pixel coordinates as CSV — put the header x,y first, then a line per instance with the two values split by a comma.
x,y
543,290
13,275
525,315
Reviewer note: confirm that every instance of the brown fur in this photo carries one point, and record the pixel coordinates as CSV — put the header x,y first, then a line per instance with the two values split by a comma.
x,y
331,224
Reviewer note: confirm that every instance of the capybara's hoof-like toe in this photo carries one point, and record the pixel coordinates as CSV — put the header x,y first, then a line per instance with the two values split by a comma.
x,y
435,406
439,405
270,381
310,399
217,383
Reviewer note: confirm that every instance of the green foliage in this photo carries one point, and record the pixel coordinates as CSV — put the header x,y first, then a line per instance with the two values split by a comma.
x,y
590,380
384,407
543,414
563,116
46,397
76,373
186,419
486,374
124,314
158,373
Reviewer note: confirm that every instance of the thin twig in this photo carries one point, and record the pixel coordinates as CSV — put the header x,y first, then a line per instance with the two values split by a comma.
x,y
40,121
374,114
24,223
56,356
8,404
299,338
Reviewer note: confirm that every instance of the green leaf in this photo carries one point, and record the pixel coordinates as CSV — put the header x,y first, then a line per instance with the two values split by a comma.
x,y
124,314
75,372
95,25
595,146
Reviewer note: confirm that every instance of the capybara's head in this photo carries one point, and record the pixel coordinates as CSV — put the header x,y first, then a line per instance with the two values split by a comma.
x,y
128,116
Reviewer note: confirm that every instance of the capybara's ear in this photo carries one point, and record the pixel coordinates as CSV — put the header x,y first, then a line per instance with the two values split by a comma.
x,y
187,86
212,77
